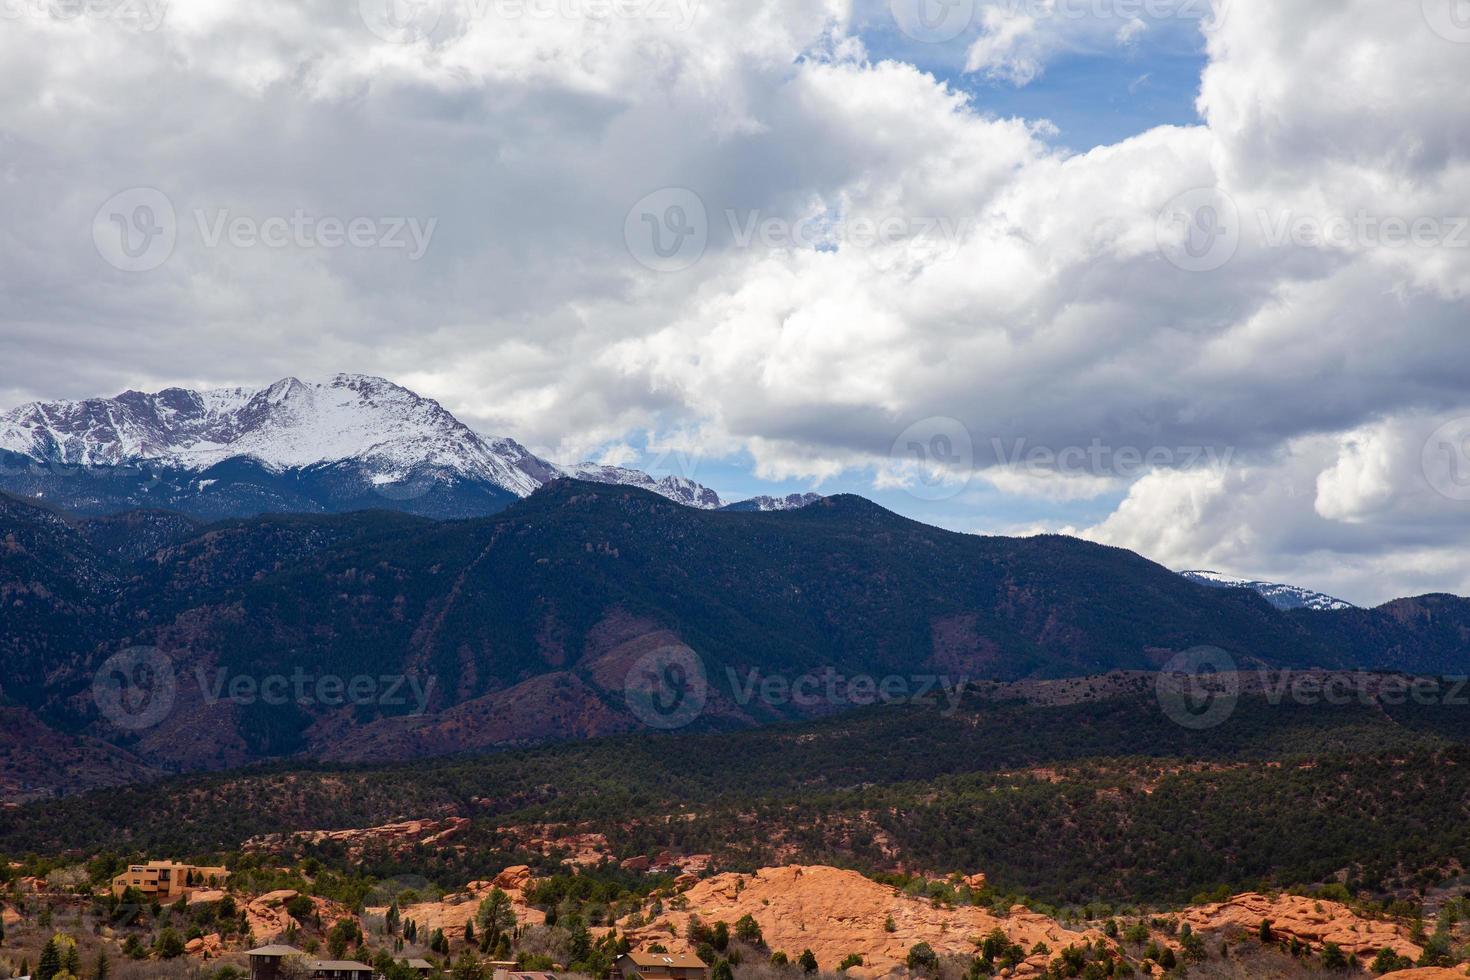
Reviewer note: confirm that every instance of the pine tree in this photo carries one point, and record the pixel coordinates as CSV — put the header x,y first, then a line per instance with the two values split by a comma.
x,y
104,967
50,963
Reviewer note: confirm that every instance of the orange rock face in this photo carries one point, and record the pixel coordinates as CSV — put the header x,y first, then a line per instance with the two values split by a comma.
x,y
208,946
1426,973
835,913
1311,920
455,910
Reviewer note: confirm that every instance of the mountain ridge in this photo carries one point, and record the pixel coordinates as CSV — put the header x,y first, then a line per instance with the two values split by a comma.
x,y
354,442
1281,596
530,622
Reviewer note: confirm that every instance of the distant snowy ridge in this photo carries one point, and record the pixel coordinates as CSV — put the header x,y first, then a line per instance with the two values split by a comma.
x,y
792,501
1280,596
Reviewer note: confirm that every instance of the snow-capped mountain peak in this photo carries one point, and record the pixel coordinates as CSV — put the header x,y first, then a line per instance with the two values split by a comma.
x,y
381,431
287,425
1280,596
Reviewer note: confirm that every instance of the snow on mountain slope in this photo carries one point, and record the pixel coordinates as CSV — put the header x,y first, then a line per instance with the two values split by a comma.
x,y
676,488
387,433
792,501
1280,596
291,424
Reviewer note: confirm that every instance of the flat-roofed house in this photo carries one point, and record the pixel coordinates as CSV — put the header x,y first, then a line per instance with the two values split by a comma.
x,y
164,880
659,966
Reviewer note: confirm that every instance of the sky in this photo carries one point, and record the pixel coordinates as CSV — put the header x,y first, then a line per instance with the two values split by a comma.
x,y
1180,276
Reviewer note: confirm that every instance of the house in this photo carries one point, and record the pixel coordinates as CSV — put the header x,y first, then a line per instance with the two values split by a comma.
x,y
659,966
265,964
422,967
164,880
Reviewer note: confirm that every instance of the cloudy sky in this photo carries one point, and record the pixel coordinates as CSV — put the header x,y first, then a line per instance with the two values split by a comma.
x,y
1183,278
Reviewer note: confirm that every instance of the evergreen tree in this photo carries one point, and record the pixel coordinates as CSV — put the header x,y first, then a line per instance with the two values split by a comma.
x,y
807,961
104,966
50,963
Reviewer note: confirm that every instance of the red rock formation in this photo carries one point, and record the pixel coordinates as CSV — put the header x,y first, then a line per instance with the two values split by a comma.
x,y
1311,920
835,913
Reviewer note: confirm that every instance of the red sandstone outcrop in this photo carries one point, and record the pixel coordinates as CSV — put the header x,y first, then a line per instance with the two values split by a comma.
x,y
451,913
1313,921
208,946
1427,973
835,913
400,835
